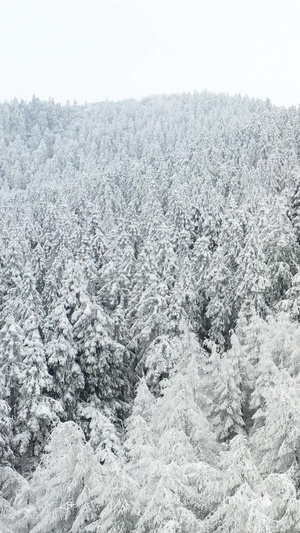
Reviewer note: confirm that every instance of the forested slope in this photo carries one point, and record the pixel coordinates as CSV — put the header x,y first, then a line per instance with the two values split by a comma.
x,y
149,316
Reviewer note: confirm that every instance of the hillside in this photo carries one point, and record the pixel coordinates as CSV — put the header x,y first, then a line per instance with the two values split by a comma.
x,y
149,316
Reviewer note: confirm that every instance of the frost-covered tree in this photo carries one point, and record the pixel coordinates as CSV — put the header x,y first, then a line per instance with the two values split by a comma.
x,y
252,275
115,501
6,454
242,495
276,442
103,361
226,397
36,411
67,483
61,355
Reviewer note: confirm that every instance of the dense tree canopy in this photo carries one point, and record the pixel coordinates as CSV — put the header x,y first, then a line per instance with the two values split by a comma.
x,y
149,316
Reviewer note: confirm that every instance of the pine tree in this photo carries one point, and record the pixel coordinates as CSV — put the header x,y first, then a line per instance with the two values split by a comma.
x,y
36,411
6,454
284,506
241,493
67,483
226,397
61,354
115,501
276,443
103,361
252,275
140,440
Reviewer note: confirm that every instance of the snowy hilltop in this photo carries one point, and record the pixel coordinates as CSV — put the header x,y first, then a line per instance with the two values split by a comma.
x,y
150,316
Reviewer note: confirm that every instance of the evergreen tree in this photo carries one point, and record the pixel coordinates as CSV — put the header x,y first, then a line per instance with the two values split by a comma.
x,y
67,483
242,495
36,410
276,443
226,398
61,355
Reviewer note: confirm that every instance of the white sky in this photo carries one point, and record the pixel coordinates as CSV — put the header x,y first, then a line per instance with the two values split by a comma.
x,y
91,50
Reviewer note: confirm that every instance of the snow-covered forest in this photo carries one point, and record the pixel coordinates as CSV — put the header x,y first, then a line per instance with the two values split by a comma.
x,y
150,316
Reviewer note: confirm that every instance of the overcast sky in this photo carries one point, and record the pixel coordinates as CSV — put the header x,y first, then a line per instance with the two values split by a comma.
x,y
92,50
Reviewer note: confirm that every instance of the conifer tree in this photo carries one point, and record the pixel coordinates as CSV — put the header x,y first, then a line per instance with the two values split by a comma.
x,y
276,442
66,482
226,397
